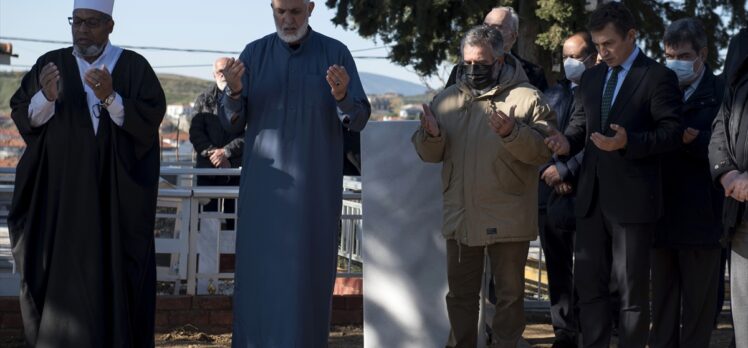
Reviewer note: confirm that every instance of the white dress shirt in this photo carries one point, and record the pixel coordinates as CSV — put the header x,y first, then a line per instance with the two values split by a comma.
x,y
41,110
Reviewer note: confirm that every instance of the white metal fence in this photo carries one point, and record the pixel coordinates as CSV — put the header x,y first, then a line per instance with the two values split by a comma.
x,y
177,231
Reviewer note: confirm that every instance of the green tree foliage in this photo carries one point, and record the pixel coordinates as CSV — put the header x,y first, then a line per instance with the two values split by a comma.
x,y
424,33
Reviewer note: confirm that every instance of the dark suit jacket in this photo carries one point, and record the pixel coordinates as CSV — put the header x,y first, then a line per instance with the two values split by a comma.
x,y
692,204
626,183
561,99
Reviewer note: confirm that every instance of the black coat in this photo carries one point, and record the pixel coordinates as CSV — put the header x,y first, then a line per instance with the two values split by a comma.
x,y
692,205
627,184
728,148
737,51
84,208
207,133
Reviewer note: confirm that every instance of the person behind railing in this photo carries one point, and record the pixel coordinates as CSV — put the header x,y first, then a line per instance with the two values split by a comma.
x,y
215,146
487,130
557,192
84,204
292,90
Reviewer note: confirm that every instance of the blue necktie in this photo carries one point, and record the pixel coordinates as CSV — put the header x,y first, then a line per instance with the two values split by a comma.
x,y
610,87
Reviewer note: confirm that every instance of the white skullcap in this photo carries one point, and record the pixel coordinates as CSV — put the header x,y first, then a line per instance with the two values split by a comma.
x,y
103,6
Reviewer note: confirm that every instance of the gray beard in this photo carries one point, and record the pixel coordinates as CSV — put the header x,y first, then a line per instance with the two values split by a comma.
x,y
90,51
295,37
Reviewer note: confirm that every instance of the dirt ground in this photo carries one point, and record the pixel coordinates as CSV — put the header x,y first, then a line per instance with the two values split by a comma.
x,y
537,334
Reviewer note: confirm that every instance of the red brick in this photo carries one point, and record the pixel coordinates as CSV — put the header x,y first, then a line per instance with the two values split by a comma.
x,y
349,286
346,317
9,304
173,302
355,302
338,302
221,318
11,321
195,318
212,302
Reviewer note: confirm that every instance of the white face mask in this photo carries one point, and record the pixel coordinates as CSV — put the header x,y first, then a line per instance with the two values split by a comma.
x,y
573,69
682,68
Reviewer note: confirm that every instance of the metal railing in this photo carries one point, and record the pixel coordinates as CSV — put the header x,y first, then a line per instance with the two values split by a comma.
x,y
178,217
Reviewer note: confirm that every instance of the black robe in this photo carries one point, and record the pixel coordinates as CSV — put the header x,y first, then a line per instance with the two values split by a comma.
x,y
83,212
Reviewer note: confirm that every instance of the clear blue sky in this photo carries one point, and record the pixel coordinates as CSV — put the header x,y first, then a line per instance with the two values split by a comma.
x,y
226,25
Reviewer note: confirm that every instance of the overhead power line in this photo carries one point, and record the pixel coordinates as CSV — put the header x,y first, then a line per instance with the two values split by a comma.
x,y
170,49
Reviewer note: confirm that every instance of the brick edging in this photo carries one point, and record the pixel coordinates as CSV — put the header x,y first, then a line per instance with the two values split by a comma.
x,y
210,314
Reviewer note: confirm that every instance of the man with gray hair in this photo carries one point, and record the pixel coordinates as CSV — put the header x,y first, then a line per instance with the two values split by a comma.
x,y
487,130
506,21
295,91
686,253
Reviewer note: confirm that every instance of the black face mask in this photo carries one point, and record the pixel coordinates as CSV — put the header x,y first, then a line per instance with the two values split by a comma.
x,y
478,76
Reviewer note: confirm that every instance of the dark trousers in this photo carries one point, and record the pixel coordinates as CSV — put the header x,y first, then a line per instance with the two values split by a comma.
x,y
606,249
558,248
684,293
464,277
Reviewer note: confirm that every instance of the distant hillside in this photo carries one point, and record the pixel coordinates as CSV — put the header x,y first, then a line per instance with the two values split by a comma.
x,y
183,90
9,82
178,89
379,84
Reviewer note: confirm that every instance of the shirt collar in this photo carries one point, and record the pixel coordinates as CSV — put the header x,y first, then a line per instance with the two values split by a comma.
x,y
694,85
630,60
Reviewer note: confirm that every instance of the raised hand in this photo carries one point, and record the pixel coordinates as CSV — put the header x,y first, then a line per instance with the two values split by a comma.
x,y
338,79
502,123
48,79
616,142
233,72
558,143
428,122
100,81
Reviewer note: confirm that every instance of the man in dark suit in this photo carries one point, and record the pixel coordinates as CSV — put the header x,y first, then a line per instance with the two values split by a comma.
x,y
628,108
686,254
556,195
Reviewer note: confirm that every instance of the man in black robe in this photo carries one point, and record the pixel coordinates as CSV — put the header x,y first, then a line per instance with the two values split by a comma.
x,y
82,218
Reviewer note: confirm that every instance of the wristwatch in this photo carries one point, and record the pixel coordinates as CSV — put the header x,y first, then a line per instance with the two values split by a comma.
x,y
108,100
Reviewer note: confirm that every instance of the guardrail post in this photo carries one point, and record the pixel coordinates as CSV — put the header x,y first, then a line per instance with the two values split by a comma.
x,y
192,255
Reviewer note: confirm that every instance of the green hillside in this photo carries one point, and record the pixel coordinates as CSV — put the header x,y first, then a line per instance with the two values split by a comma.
x,y
178,89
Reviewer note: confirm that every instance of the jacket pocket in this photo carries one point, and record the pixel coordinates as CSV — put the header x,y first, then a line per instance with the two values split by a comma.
x,y
511,176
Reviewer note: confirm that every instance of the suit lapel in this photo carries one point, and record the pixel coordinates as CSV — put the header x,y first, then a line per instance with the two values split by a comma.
x,y
596,97
633,78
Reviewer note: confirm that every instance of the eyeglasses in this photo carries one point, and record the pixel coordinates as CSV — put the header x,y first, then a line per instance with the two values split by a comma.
x,y
94,22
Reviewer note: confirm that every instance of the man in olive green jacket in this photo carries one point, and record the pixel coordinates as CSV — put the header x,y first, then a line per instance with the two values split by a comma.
x,y
488,132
